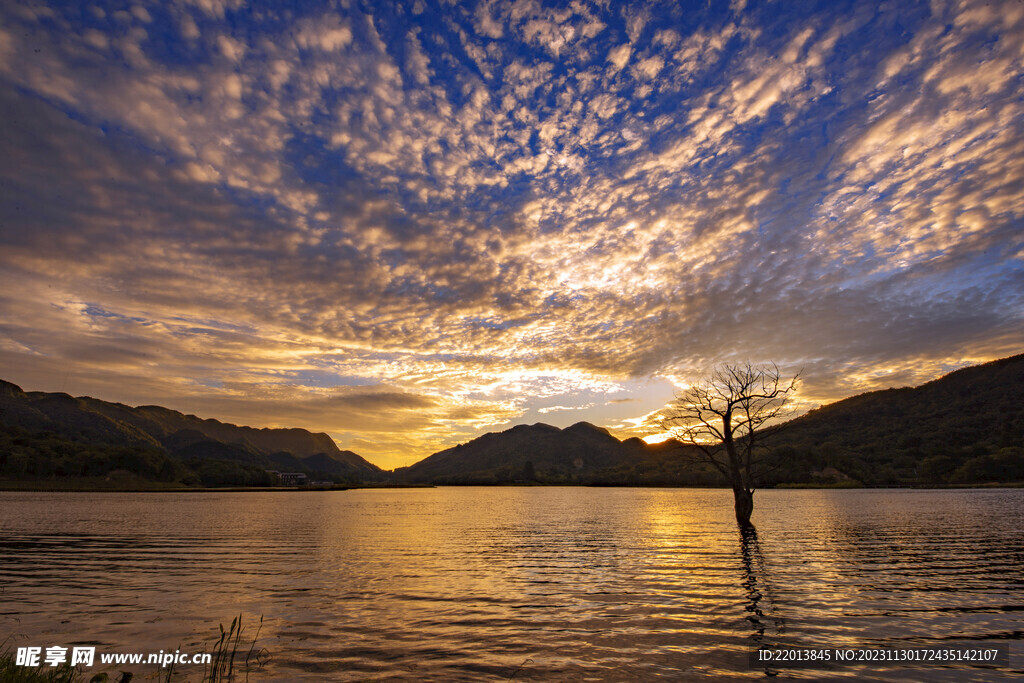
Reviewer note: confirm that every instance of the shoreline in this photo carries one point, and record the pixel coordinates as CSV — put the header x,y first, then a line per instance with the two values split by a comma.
x,y
75,486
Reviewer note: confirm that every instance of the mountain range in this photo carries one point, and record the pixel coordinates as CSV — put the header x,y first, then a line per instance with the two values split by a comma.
x,y
582,453
966,427
77,427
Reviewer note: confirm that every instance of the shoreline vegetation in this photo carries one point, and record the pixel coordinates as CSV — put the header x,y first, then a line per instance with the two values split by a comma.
x,y
226,662
81,486
139,485
963,430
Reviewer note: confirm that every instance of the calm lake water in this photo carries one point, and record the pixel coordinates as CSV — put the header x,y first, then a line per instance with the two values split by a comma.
x,y
523,583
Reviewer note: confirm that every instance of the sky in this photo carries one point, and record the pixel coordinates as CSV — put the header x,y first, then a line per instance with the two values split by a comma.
x,y
407,224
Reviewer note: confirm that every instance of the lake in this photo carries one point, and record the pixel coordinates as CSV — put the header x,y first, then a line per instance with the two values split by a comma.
x,y
521,583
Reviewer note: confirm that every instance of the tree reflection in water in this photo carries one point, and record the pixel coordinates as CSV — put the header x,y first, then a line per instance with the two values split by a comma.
x,y
762,612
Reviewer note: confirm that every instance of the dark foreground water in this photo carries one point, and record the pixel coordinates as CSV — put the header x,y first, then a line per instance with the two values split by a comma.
x,y
521,583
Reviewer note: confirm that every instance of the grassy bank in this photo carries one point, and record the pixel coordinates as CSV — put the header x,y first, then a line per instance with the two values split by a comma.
x,y
126,481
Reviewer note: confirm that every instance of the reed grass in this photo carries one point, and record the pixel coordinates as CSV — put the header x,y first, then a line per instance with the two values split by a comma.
x,y
225,651
10,672
225,666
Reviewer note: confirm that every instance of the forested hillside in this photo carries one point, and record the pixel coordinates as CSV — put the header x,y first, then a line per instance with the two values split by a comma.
x,y
965,427
57,436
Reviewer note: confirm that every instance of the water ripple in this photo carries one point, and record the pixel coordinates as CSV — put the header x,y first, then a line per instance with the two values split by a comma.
x,y
535,583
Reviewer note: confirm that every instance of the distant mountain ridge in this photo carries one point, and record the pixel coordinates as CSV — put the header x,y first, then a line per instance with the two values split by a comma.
x,y
90,420
965,427
528,454
580,454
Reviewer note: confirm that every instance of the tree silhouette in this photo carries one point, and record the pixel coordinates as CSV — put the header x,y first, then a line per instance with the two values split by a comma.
x,y
722,416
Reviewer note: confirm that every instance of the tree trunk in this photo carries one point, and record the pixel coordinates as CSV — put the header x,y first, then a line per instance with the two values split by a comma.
x,y
744,506
744,496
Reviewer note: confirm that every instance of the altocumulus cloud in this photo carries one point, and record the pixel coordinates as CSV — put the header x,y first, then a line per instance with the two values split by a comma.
x,y
409,222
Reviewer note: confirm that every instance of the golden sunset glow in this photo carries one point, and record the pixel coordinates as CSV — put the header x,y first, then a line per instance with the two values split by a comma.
x,y
406,227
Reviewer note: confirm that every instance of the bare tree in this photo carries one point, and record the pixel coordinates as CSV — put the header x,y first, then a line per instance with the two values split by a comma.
x,y
722,416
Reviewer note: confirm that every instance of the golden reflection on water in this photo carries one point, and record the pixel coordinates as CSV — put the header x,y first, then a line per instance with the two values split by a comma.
x,y
542,583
